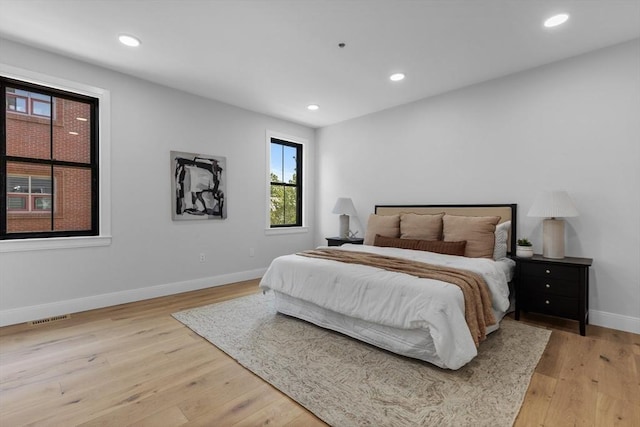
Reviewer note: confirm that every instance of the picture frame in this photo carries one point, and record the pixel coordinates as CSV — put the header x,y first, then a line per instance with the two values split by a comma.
x,y
198,186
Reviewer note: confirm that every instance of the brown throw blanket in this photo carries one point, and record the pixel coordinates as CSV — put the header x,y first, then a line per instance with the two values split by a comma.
x,y
477,301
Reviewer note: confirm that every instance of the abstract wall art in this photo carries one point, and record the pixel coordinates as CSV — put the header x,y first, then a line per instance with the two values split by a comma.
x,y
198,186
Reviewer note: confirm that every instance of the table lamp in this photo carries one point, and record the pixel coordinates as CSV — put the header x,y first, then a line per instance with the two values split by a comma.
x,y
553,205
344,207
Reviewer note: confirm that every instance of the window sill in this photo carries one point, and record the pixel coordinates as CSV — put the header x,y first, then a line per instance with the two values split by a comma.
x,y
53,243
286,230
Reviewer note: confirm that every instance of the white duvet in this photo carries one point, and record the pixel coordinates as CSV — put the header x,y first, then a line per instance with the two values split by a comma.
x,y
392,299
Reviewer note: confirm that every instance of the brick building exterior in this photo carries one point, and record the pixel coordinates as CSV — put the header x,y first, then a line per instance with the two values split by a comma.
x,y
64,136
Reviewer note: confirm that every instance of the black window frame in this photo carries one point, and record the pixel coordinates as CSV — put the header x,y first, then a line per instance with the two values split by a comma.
x,y
297,184
93,164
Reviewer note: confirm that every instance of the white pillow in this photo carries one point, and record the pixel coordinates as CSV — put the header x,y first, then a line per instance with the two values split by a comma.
x,y
502,236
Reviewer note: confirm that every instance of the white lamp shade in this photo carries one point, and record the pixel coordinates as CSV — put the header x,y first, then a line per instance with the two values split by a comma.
x,y
553,204
344,206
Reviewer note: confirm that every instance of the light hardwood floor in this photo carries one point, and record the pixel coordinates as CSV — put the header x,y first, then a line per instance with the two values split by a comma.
x,y
135,365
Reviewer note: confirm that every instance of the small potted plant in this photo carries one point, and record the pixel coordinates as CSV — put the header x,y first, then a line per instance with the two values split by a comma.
x,y
524,248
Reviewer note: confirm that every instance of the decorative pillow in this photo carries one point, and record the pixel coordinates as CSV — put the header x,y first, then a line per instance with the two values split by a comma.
x,y
502,236
478,231
394,242
384,225
442,247
423,227
438,246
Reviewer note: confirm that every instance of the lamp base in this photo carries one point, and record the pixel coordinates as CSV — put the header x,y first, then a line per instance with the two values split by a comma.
x,y
344,226
553,238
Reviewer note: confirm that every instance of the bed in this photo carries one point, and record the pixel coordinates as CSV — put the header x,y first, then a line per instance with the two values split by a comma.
x,y
419,317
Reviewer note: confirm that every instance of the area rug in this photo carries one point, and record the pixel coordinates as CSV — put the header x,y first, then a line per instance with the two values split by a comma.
x,y
348,383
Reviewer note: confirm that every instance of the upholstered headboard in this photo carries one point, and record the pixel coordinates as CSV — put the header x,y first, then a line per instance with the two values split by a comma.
x,y
506,212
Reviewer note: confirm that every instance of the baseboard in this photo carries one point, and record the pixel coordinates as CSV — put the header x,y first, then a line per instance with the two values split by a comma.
x,y
25,314
614,321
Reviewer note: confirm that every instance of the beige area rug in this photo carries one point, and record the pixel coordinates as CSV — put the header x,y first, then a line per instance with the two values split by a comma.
x,y
348,383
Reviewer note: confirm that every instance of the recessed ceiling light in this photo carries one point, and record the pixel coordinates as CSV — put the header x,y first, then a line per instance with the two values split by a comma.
x,y
73,133
556,20
313,107
81,119
396,77
129,40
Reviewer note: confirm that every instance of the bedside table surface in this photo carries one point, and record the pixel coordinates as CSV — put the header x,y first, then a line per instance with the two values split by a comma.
x,y
586,262
339,241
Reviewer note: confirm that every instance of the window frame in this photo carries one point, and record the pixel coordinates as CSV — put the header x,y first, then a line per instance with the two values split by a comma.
x,y
103,238
302,201
51,162
297,185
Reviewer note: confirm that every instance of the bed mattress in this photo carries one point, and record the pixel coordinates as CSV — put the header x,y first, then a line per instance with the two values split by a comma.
x,y
420,318
414,343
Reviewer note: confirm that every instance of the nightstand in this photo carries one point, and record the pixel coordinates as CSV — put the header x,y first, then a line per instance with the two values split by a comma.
x,y
339,241
556,287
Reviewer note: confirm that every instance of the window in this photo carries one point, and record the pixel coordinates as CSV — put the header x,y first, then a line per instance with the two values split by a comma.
x,y
28,193
285,203
25,102
48,162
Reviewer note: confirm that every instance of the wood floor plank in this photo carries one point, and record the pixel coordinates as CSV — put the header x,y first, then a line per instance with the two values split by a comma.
x,y
27,396
138,407
42,373
616,412
555,355
46,352
125,384
47,334
612,335
171,342
86,404
171,417
307,419
132,403
575,396
538,398
237,409
134,364
235,385
279,412
617,374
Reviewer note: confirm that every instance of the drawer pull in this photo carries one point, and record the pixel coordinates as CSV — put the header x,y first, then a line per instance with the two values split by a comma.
x,y
547,286
548,271
547,302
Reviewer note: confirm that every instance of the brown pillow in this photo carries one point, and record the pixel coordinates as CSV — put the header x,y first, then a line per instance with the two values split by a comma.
x,y
478,231
438,246
423,227
394,242
384,225
441,247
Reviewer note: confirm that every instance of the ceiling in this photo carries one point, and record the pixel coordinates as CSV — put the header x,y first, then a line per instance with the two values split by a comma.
x,y
277,56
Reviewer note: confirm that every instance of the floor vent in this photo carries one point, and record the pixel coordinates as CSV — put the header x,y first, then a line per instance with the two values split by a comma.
x,y
49,320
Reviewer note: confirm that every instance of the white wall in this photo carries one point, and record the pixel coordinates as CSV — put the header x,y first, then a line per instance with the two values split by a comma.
x,y
572,125
150,255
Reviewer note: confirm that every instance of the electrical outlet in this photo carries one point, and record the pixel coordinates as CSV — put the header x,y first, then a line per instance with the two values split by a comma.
x,y
252,252
203,258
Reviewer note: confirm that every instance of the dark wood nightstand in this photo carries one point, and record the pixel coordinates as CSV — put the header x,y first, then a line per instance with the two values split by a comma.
x,y
339,241
557,287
